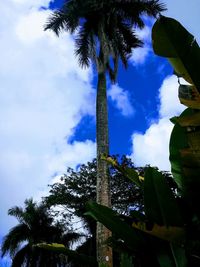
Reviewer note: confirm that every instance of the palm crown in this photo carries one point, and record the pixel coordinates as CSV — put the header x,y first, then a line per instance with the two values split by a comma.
x,y
35,226
104,28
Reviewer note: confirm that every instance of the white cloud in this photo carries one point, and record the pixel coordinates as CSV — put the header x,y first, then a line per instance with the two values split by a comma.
x,y
152,147
43,96
29,27
71,155
140,54
121,99
31,3
144,34
168,94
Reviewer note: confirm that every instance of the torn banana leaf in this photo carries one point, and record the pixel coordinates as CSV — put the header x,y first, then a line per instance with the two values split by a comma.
x,y
189,96
171,234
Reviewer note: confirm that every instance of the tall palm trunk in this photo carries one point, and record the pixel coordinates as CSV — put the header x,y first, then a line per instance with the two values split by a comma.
x,y
104,252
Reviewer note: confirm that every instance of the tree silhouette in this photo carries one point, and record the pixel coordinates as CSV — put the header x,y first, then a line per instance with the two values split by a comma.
x,y
35,226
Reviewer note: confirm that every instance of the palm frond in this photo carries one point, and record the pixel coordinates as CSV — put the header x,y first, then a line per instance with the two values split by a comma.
x,y
37,226
84,45
59,21
111,72
14,238
123,41
153,7
56,22
129,36
16,212
93,47
70,238
132,10
67,18
21,257
120,46
104,28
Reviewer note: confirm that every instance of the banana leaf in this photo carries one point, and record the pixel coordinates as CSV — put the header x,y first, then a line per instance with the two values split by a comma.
x,y
185,150
130,173
189,96
170,255
126,260
160,204
190,120
133,238
172,234
172,40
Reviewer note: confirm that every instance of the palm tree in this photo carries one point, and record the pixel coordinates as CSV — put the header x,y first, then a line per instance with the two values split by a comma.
x,y
35,226
104,36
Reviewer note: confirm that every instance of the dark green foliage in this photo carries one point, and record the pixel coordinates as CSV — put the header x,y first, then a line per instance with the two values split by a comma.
x,y
172,40
112,221
160,205
162,245
126,260
178,142
75,259
35,226
77,187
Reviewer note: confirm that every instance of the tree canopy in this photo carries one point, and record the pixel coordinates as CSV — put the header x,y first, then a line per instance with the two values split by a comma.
x,y
76,187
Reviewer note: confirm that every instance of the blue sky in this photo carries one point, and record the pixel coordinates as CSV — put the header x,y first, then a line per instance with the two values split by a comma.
x,y
47,102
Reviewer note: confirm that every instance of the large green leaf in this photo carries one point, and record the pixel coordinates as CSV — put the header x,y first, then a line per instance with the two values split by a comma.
x,y
130,173
190,120
179,255
169,255
172,40
133,238
126,260
185,148
171,234
138,216
178,143
160,204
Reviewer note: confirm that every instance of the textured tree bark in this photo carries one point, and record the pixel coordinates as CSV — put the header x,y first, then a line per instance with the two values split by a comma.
x,y
104,252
